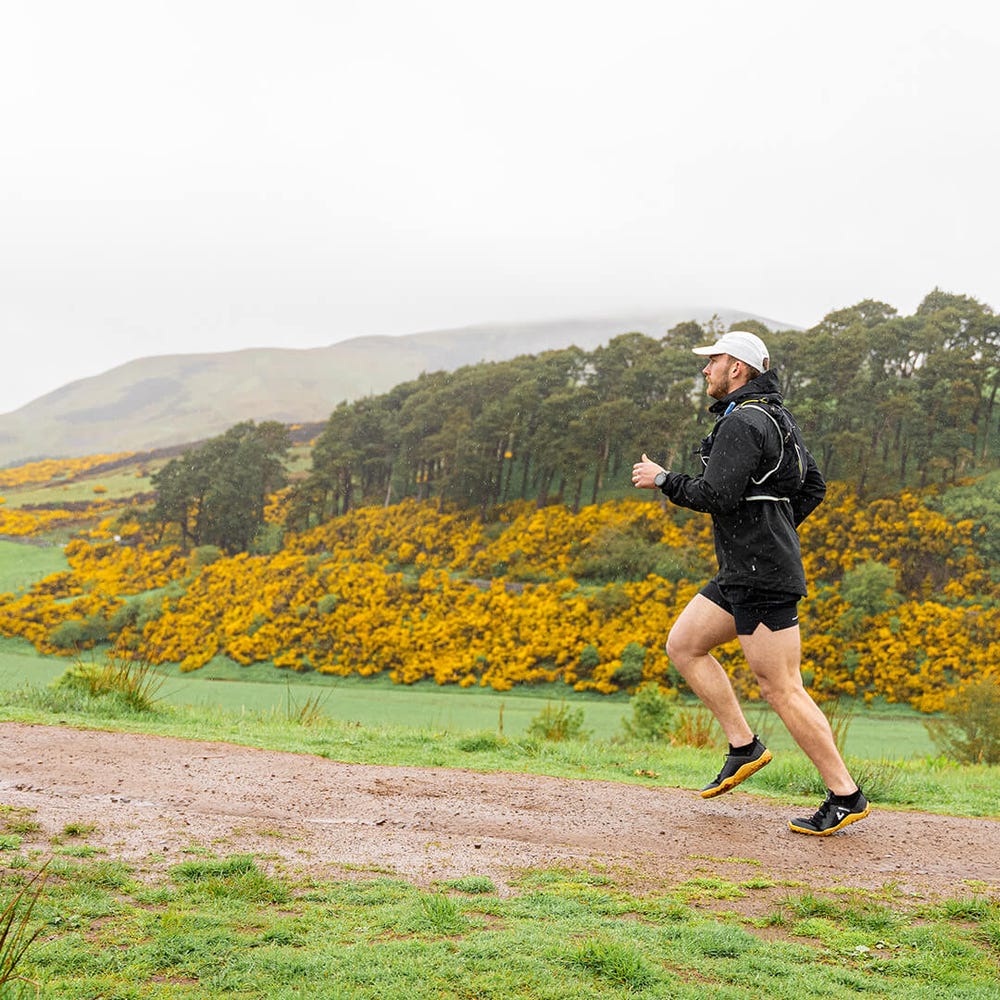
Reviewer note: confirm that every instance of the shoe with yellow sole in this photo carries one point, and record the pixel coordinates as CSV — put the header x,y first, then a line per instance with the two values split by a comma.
x,y
834,814
737,767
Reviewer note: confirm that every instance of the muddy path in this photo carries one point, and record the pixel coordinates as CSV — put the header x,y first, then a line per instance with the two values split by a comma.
x,y
152,799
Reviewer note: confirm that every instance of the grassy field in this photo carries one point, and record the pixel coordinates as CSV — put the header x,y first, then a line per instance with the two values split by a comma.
x,y
892,731
125,481
21,565
122,482
239,927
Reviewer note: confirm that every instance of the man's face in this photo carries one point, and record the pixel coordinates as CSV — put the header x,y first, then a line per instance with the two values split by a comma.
x,y
718,375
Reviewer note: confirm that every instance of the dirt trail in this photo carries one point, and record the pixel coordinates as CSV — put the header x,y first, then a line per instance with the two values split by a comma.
x,y
153,798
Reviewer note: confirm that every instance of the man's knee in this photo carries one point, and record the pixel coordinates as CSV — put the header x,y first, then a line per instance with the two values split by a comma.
x,y
701,627
781,690
683,646
772,693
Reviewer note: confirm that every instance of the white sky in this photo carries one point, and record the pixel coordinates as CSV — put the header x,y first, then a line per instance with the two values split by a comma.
x,y
184,176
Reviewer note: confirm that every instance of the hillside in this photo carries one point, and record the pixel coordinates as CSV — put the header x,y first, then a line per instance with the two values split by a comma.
x,y
156,402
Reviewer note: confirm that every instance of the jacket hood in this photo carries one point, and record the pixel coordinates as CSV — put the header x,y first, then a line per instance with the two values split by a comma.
x,y
764,386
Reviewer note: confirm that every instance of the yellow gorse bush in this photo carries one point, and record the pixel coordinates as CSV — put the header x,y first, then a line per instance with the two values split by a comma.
x,y
116,568
928,551
416,592
40,473
25,523
541,543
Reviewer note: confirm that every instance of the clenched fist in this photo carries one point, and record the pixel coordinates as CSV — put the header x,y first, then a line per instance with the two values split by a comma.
x,y
644,472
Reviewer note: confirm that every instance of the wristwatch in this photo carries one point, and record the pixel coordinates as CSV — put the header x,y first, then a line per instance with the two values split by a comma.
x,y
659,479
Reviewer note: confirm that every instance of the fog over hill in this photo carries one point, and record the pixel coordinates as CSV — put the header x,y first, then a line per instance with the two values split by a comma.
x,y
156,402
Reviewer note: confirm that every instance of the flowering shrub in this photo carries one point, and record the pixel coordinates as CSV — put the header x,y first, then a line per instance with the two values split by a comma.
x,y
926,550
20,522
40,473
418,592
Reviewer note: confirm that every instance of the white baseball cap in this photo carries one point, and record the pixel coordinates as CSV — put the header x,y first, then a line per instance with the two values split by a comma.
x,y
742,345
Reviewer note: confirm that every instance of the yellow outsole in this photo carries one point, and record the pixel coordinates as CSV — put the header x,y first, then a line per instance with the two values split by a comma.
x,y
741,775
846,821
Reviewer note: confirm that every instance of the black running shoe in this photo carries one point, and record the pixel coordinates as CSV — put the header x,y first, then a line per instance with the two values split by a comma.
x,y
738,767
831,817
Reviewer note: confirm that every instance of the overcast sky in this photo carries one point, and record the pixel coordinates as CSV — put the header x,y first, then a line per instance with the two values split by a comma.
x,y
204,176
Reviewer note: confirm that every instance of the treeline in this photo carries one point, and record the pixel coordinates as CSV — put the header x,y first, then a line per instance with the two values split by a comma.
x,y
885,401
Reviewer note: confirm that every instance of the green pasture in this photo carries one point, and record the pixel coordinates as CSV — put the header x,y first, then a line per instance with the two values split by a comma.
x,y
22,563
885,731
124,481
116,484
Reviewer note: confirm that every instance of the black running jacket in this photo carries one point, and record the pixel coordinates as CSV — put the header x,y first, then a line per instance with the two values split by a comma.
x,y
754,514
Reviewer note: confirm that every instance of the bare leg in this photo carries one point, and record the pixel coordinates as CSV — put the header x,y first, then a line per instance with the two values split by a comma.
x,y
775,659
699,628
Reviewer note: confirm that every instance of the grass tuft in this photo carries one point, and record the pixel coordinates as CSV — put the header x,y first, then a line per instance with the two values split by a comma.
x,y
16,934
473,885
442,914
131,685
79,829
307,713
617,963
556,723
238,876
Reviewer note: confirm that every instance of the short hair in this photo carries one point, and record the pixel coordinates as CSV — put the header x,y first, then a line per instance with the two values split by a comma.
x,y
752,372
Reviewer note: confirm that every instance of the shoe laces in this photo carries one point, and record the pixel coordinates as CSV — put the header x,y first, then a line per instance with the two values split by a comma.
x,y
725,763
722,770
823,810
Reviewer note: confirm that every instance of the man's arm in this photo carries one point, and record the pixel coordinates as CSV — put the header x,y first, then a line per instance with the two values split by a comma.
x,y
735,455
810,494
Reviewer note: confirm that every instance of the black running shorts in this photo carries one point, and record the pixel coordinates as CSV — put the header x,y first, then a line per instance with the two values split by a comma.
x,y
776,611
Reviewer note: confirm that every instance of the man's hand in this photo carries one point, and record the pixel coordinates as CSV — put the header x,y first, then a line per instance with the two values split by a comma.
x,y
644,472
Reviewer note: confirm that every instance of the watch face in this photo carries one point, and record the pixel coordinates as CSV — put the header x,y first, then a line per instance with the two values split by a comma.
x,y
661,478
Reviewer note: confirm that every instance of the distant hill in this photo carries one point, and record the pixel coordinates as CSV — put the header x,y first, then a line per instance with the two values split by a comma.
x,y
158,402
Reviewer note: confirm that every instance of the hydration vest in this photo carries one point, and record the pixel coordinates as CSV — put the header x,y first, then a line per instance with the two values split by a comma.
x,y
781,475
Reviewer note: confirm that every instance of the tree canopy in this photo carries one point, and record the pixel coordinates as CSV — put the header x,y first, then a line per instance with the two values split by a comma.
x,y
215,494
884,401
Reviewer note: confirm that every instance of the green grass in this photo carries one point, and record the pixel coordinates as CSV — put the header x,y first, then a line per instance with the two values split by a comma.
x,y
289,724
23,564
225,927
893,731
120,483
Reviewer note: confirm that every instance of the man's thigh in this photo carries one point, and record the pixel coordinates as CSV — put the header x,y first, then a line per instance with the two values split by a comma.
x,y
701,626
774,655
